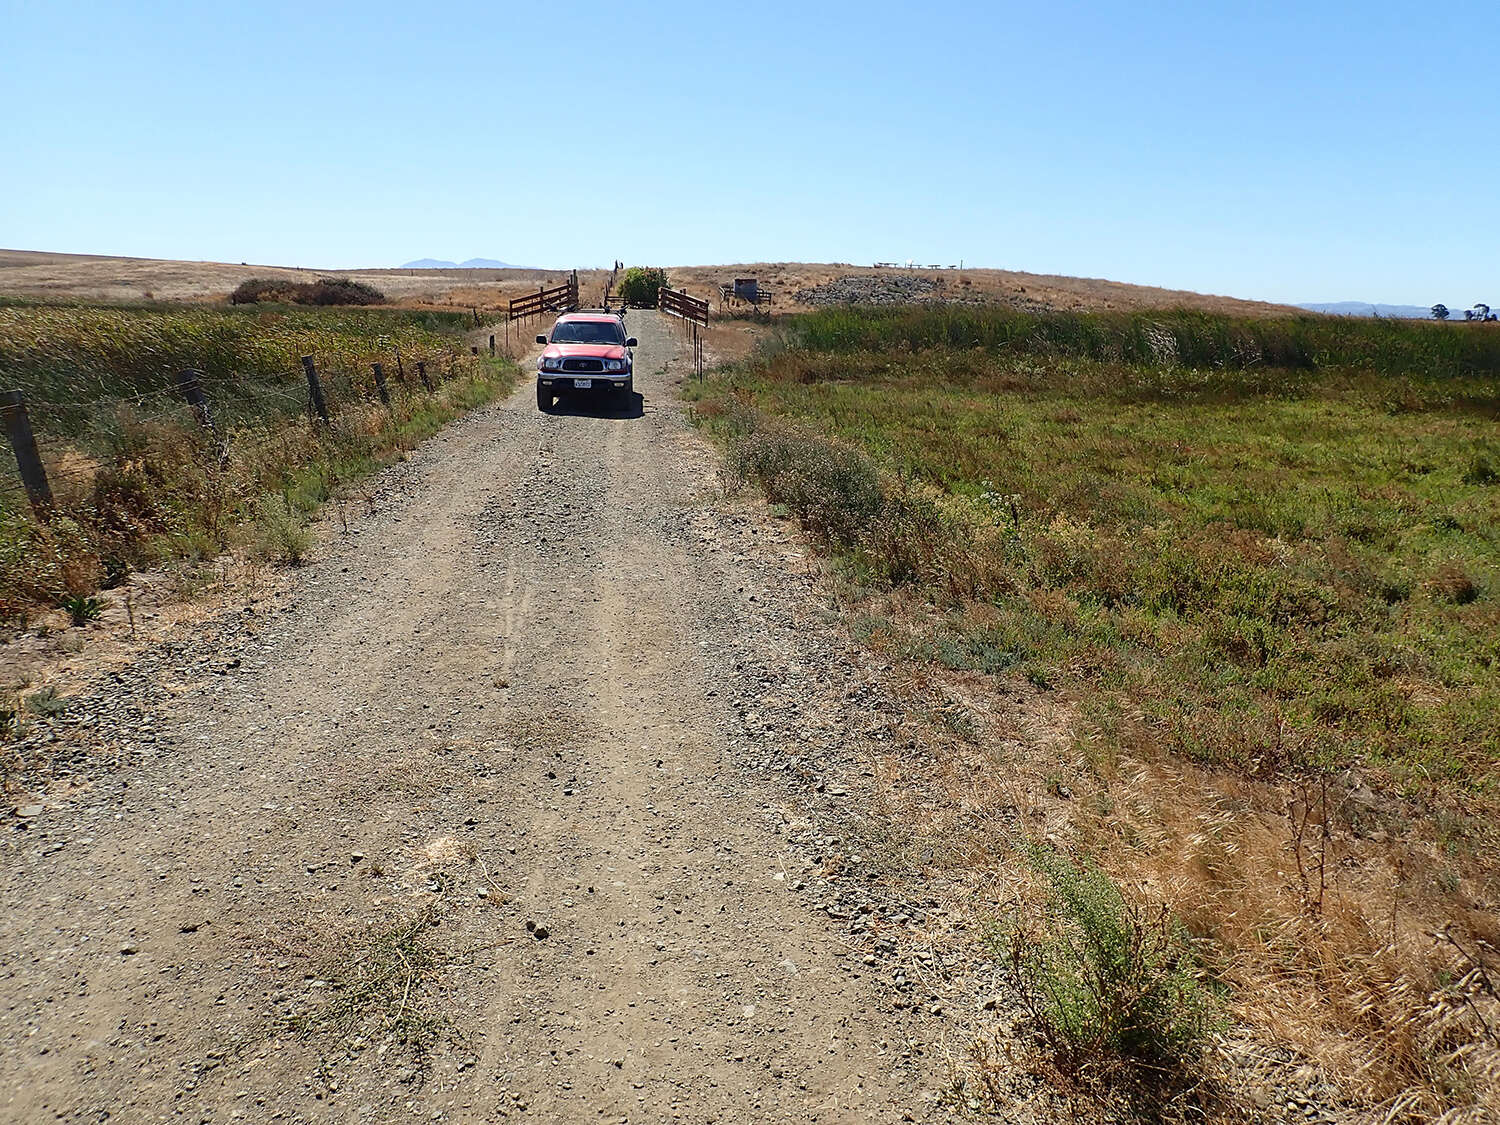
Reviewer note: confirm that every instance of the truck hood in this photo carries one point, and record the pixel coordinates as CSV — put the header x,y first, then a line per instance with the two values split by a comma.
x,y
593,351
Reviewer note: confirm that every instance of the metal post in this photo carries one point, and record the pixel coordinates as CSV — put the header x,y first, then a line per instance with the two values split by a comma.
x,y
315,389
28,460
422,374
380,387
492,343
192,390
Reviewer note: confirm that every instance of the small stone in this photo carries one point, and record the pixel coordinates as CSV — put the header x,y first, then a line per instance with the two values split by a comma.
x,y
991,1003
541,933
129,949
356,857
26,812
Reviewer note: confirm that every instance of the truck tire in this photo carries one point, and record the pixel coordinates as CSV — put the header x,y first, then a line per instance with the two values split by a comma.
x,y
543,399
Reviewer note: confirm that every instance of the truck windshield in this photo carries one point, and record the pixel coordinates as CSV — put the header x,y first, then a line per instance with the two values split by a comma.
x,y
587,332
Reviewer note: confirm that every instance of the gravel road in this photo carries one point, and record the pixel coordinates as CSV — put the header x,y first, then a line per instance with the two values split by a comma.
x,y
535,796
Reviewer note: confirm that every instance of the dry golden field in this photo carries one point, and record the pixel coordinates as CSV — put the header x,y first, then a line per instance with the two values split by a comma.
x,y
32,273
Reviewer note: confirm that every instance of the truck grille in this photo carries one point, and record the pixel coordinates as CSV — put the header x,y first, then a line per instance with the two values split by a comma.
x,y
583,365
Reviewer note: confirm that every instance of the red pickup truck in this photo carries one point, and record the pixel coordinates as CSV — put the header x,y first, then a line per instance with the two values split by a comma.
x,y
585,351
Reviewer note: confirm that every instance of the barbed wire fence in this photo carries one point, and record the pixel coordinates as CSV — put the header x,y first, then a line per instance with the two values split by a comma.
x,y
58,446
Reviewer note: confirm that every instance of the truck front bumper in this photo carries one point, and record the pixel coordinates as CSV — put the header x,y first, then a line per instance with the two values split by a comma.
x,y
609,381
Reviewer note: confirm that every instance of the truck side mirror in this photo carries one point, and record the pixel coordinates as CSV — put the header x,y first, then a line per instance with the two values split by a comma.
x,y
541,339
630,343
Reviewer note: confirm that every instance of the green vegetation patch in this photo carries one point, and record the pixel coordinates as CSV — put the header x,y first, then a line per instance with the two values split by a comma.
x,y
1274,544
1109,980
139,480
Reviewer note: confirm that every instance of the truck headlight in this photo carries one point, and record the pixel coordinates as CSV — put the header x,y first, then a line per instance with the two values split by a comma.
x,y
551,363
613,365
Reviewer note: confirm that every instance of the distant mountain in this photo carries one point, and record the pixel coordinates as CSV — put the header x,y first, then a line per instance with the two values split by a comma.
x,y
1362,308
471,264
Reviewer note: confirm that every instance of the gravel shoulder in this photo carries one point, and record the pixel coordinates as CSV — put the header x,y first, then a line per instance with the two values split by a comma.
x,y
537,795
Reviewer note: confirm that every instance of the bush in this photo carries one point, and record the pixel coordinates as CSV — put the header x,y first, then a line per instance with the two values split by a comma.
x,y
640,285
834,491
280,534
324,291
341,291
1105,978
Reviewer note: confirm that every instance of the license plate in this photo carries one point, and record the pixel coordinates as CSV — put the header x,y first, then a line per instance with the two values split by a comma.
x,y
583,384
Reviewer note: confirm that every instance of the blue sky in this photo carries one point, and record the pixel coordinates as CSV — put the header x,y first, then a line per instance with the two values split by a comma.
x,y
1310,151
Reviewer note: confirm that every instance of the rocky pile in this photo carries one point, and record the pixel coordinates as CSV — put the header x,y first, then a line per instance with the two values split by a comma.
x,y
894,289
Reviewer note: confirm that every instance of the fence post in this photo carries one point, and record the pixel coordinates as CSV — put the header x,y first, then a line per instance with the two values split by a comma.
x,y
475,311
380,387
474,349
315,389
422,374
192,391
400,369
28,460
492,343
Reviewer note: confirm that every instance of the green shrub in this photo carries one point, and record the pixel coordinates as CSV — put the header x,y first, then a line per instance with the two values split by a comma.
x,y
82,608
340,291
324,291
1106,978
640,285
834,491
280,533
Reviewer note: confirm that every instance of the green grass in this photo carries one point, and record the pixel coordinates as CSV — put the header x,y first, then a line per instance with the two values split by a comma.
x,y
1108,980
139,482
1205,342
1292,566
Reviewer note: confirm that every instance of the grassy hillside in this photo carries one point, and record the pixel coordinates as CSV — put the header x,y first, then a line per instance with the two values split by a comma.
x,y
1259,564
139,481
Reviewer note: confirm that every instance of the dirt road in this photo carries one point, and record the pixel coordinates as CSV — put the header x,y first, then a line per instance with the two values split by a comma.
x,y
518,804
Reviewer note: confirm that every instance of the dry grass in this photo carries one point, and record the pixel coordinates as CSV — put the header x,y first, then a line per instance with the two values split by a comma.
x,y
31,273
1002,286
1328,944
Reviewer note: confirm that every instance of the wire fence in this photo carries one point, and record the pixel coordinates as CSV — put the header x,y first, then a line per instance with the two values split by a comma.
x,y
59,446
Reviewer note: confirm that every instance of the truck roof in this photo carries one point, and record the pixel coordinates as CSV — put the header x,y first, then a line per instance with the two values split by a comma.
x,y
597,318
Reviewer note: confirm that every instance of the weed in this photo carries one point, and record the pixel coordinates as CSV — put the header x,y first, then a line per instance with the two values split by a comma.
x,y
83,608
45,703
280,533
379,988
834,491
1106,978
1451,583
1481,471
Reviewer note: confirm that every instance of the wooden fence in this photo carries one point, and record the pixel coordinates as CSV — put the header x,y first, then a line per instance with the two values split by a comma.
x,y
694,316
560,298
